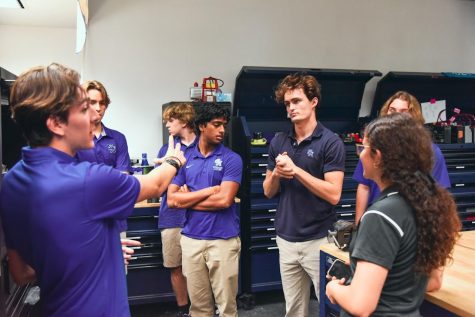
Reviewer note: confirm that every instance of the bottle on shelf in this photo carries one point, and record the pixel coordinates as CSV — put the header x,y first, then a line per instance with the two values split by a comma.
x,y
144,159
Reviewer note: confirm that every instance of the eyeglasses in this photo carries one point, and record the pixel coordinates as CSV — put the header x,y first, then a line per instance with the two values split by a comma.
x,y
360,147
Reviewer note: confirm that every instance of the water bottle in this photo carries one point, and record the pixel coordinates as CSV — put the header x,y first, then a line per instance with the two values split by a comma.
x,y
144,159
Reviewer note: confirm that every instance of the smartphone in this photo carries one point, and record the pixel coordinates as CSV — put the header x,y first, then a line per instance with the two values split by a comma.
x,y
339,270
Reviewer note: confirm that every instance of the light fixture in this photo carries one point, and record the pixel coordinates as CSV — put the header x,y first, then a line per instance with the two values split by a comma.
x,y
12,4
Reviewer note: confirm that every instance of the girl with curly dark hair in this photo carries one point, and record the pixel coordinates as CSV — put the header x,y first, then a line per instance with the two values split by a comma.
x,y
406,236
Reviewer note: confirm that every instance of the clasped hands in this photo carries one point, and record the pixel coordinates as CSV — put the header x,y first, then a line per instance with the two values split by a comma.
x,y
284,166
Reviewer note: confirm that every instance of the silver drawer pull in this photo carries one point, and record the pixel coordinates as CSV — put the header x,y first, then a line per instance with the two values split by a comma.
x,y
272,210
272,248
274,238
272,219
460,167
263,174
345,206
265,155
459,185
270,229
262,165
346,215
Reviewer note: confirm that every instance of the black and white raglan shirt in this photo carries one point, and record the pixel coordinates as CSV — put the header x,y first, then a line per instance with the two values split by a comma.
x,y
387,236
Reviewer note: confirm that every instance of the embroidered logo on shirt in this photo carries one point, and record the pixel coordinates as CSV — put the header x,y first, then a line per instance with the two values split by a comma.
x,y
111,147
218,165
310,153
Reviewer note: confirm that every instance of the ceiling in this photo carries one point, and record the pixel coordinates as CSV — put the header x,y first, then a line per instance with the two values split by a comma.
x,y
42,13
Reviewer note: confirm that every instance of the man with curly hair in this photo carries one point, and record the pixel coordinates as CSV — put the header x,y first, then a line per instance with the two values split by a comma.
x,y
305,171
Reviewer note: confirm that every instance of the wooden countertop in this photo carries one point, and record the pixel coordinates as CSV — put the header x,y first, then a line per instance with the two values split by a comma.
x,y
467,240
458,286
145,204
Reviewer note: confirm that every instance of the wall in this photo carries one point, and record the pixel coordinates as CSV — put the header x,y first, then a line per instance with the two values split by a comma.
x,y
150,52
25,46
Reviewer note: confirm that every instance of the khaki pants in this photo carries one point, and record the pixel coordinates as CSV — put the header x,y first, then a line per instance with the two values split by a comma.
x,y
211,269
171,248
299,267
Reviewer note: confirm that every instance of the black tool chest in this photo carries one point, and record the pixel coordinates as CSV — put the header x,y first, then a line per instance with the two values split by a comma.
x,y
147,279
458,91
460,160
255,110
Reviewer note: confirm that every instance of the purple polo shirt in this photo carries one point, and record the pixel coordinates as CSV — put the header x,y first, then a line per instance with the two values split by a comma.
x,y
111,149
171,217
61,217
200,172
439,172
301,215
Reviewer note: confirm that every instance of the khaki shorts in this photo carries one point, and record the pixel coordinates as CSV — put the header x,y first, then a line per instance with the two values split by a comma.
x,y
171,248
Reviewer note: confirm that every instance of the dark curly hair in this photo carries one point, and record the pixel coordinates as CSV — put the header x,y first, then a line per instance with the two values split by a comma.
x,y
307,83
208,112
406,162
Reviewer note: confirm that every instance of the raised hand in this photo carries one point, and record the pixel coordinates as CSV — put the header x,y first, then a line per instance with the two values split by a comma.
x,y
174,151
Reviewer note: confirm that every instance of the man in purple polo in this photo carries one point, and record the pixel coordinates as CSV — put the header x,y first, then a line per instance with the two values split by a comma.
x,y
110,146
180,122
59,215
210,242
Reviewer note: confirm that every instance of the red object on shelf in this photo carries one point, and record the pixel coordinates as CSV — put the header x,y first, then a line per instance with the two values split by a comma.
x,y
210,88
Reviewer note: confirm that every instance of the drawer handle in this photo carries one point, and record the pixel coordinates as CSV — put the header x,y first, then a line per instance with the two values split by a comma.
x,y
459,167
346,215
265,155
272,248
272,210
261,164
272,219
273,239
270,229
459,185
134,238
345,206
263,174
143,267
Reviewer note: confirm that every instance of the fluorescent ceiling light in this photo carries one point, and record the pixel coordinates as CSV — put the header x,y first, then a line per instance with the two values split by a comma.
x,y
11,4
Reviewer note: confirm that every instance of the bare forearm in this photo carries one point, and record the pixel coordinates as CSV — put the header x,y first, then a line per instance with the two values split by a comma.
x,y
329,191
362,197
351,300
271,184
435,280
156,182
21,272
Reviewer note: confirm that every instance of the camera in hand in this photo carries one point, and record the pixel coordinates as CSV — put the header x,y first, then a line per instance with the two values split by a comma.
x,y
339,270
